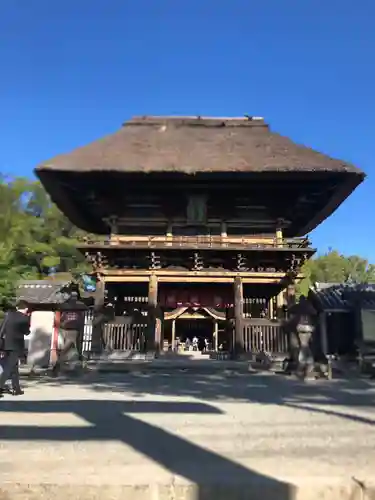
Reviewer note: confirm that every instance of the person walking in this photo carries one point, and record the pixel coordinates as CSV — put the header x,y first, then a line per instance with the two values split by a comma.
x,y
71,330
15,326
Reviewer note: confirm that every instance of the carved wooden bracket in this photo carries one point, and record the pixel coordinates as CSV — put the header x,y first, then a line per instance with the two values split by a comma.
x,y
155,262
198,264
241,263
97,260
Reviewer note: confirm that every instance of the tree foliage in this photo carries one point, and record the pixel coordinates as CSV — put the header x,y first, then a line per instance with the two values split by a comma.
x,y
36,239
334,267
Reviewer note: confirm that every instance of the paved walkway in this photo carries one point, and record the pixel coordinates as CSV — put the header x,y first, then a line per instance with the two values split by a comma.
x,y
183,436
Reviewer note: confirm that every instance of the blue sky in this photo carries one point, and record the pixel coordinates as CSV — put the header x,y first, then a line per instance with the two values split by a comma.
x,y
74,70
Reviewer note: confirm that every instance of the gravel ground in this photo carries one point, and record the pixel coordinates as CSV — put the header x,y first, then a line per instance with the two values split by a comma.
x,y
171,435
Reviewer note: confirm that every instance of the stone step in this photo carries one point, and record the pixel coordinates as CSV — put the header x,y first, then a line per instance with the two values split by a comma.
x,y
170,365
255,490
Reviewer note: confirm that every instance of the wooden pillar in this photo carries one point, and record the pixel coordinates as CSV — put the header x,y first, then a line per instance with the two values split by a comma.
x,y
323,333
99,317
291,295
229,329
169,234
54,340
223,230
159,339
279,305
279,235
216,336
173,334
238,316
153,333
270,308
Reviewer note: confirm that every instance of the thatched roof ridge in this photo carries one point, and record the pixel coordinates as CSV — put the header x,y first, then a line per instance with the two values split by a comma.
x,y
195,144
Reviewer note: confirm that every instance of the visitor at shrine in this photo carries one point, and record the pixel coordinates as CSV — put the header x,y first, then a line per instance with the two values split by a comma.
x,y
12,337
206,345
195,343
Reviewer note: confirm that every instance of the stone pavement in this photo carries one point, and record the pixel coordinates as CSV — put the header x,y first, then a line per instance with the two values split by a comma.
x,y
154,436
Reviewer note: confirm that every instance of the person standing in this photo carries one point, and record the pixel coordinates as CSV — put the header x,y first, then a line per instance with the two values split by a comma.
x,y
195,343
16,325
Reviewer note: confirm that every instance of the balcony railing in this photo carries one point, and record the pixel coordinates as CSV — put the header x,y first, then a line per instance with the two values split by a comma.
x,y
197,242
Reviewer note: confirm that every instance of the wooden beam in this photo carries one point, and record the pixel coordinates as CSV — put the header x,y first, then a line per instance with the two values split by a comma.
x,y
203,274
191,279
143,276
198,279
117,239
238,316
126,279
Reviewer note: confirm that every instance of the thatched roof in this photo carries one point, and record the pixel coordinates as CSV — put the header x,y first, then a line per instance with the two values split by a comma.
x,y
195,144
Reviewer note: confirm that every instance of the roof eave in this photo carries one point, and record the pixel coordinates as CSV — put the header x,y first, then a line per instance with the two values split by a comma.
x,y
354,179
71,211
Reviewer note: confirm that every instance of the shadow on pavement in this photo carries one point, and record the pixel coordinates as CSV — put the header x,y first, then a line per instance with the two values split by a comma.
x,y
215,477
333,398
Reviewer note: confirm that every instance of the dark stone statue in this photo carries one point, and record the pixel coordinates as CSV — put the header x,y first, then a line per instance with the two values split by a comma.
x,y
301,328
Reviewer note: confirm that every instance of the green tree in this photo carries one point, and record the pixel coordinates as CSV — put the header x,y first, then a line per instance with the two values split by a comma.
x,y
35,237
334,267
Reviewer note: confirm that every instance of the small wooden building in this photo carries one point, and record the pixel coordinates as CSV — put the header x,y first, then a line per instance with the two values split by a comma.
x,y
196,212
46,298
346,316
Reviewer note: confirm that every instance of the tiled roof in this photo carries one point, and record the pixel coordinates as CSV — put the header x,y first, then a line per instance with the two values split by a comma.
x,y
42,291
361,294
343,297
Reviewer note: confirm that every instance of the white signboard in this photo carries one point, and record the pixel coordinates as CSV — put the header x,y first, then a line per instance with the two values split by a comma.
x,y
40,338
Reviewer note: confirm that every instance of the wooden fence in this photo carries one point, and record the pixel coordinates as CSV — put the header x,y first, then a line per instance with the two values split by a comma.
x,y
260,336
123,336
264,335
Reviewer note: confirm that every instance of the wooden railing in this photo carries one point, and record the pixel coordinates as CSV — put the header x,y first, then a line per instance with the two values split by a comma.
x,y
123,336
265,336
260,336
213,242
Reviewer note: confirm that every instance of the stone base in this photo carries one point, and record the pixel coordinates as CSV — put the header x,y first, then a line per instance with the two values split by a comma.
x,y
257,490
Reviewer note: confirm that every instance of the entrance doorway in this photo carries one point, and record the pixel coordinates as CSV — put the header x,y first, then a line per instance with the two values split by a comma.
x,y
183,325
201,329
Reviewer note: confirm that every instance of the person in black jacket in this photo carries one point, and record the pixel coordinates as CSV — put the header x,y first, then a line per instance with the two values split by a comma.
x,y
16,326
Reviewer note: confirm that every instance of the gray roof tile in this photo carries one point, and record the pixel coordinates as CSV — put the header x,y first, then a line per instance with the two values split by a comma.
x,y
42,291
